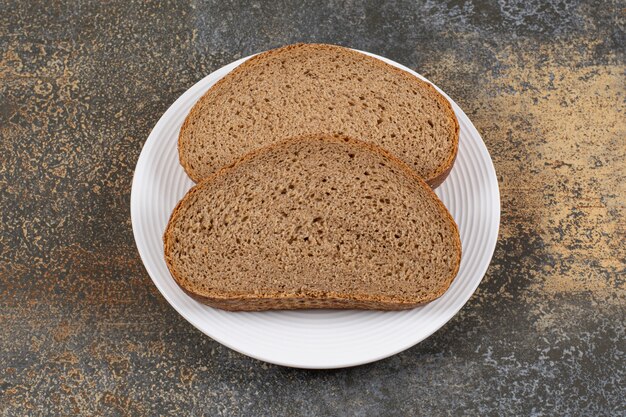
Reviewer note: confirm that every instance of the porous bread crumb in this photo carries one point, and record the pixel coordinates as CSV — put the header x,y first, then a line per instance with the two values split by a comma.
x,y
317,221
311,89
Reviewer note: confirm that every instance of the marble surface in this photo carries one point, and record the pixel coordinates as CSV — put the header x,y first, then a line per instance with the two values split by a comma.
x,y
84,330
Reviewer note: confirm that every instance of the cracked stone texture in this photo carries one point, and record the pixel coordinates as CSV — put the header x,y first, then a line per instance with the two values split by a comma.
x,y
84,330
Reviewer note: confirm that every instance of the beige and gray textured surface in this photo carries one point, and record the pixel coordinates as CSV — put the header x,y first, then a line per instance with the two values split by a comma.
x,y
84,331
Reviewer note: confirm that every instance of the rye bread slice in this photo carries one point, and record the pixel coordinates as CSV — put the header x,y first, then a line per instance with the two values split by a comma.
x,y
313,222
316,88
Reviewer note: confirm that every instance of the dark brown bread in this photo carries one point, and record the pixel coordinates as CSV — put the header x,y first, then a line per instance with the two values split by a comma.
x,y
311,89
313,222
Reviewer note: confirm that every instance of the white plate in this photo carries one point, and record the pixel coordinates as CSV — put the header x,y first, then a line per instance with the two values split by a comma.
x,y
315,338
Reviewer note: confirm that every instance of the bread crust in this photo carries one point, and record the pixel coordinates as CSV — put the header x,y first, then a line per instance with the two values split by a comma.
x,y
305,300
434,180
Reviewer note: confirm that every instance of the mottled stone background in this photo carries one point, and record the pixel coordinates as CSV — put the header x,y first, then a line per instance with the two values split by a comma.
x,y
85,331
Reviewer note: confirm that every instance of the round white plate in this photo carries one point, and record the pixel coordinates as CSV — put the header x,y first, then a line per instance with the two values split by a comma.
x,y
315,338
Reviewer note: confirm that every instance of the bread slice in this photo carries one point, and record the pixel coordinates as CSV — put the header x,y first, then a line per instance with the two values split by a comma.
x,y
314,88
314,222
